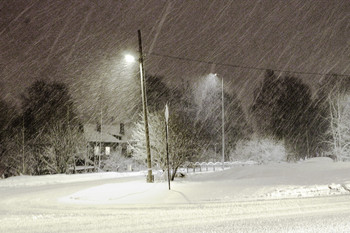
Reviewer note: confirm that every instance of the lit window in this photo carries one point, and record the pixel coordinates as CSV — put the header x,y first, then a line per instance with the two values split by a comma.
x,y
97,150
108,150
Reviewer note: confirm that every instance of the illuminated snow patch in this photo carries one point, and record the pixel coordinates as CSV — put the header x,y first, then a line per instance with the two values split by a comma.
x,y
119,193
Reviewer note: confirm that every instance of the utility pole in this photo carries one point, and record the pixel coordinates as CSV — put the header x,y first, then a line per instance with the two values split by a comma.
x,y
150,177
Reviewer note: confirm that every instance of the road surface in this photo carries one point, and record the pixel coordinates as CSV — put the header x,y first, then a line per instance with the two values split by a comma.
x,y
37,209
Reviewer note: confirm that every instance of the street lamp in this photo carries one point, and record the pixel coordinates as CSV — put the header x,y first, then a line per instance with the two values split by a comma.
x,y
223,122
130,58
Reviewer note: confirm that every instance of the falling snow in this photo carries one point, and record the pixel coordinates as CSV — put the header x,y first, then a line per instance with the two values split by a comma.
x,y
83,44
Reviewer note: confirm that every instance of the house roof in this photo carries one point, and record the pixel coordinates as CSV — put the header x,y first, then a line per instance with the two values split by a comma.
x,y
109,133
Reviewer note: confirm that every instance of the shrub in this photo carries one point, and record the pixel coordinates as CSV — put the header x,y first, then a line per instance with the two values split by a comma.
x,y
260,150
118,163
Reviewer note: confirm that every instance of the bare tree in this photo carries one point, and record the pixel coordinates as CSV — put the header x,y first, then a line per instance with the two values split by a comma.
x,y
339,126
336,101
184,141
64,146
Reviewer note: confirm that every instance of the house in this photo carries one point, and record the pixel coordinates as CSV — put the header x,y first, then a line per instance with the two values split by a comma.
x,y
103,141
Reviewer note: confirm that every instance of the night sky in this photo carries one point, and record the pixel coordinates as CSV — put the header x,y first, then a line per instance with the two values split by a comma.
x,y
83,42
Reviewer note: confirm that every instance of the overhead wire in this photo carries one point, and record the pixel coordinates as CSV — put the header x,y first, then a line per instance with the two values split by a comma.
x,y
245,67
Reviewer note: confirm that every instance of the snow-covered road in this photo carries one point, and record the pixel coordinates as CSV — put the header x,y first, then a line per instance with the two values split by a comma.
x,y
306,197
35,212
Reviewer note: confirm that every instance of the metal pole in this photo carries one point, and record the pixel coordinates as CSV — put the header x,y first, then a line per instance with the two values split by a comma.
x,y
23,141
216,155
100,152
223,124
144,105
166,139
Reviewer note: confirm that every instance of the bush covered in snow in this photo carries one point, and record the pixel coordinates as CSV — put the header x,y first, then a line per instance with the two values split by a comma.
x,y
118,163
260,150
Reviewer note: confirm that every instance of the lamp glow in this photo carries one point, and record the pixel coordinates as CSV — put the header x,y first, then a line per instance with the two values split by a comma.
x,y
129,58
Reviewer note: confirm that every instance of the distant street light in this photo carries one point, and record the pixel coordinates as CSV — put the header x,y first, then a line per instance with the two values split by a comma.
x,y
130,58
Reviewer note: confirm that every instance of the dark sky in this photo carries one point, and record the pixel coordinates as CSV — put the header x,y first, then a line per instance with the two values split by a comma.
x,y
82,42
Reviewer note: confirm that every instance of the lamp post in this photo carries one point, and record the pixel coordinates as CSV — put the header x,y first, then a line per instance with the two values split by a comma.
x,y
223,121
166,141
150,178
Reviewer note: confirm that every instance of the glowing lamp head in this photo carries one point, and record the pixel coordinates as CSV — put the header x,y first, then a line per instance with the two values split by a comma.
x,y
213,75
129,58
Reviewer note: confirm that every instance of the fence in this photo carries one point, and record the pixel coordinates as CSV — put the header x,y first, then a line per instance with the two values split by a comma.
x,y
212,166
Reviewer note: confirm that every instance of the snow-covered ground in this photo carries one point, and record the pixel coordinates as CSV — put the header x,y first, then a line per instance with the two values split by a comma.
x,y
23,181
265,196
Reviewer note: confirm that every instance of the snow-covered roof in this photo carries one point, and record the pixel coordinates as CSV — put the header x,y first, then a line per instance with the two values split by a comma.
x,y
109,133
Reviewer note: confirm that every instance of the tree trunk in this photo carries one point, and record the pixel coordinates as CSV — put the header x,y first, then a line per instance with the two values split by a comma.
x,y
174,173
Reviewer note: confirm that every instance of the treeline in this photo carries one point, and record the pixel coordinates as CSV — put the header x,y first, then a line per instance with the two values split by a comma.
x,y
309,124
286,121
44,136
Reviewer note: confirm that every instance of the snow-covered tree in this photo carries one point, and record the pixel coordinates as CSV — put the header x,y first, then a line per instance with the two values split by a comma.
x,y
51,130
64,145
184,141
15,158
208,97
339,130
260,150
336,101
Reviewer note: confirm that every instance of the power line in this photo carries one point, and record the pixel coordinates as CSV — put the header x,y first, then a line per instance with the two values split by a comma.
x,y
243,67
